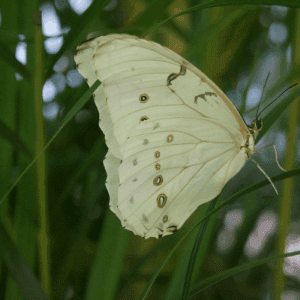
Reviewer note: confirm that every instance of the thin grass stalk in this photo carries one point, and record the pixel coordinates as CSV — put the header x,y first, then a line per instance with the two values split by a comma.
x,y
193,257
41,161
287,194
8,109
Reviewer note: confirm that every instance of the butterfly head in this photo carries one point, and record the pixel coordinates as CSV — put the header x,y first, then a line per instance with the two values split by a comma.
x,y
255,127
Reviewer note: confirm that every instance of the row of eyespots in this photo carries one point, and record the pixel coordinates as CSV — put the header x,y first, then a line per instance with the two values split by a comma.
x,y
158,180
161,199
143,99
170,139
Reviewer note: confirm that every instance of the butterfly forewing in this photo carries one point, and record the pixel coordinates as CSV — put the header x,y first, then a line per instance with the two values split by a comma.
x,y
174,138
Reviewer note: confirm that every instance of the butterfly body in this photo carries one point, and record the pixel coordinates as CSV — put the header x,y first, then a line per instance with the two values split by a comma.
x,y
174,137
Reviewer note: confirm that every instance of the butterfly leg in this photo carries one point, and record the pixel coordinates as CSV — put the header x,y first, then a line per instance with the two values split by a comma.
x,y
276,155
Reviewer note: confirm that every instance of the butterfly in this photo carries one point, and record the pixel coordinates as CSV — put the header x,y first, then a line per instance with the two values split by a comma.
x,y
174,138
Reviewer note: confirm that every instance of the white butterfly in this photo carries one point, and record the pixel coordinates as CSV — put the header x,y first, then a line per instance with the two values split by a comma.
x,y
174,138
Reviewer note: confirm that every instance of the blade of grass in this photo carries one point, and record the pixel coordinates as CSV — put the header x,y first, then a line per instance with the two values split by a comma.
x,y
231,199
108,264
154,11
211,4
194,253
8,107
24,227
236,24
288,187
41,161
275,112
218,277
175,286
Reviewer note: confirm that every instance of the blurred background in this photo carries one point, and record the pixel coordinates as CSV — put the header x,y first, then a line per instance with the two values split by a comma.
x,y
58,218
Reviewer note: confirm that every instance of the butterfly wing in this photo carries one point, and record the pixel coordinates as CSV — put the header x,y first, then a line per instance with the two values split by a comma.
x,y
176,135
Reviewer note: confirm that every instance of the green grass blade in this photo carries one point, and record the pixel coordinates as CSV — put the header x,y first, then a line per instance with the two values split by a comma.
x,y
211,4
108,263
194,253
218,277
175,287
41,173
152,14
231,199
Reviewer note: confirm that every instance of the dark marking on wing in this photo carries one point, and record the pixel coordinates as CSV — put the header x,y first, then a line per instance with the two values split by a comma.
x,y
172,228
202,96
173,76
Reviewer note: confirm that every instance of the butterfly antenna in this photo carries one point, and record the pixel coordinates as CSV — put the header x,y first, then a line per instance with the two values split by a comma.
x,y
259,167
277,98
265,84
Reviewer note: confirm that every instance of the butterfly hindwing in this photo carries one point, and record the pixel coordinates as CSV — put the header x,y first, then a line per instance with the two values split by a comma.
x,y
173,164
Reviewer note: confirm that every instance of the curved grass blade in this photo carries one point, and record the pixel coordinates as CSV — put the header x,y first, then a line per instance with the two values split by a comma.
x,y
270,120
218,277
194,253
231,199
211,4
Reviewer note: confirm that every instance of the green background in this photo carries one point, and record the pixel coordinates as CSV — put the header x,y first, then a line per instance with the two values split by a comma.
x,y
58,238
